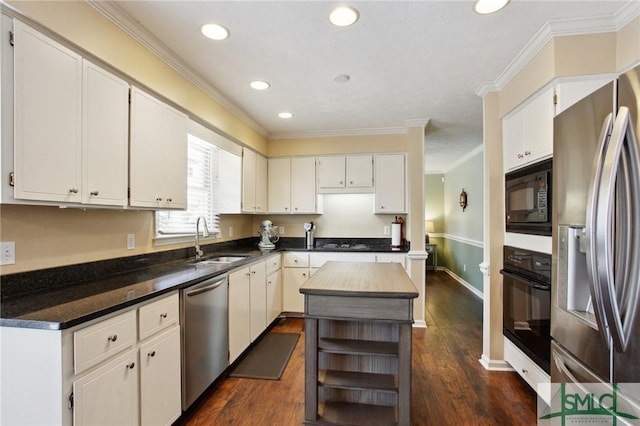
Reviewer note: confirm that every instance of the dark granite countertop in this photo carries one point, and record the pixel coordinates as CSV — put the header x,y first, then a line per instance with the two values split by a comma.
x,y
63,297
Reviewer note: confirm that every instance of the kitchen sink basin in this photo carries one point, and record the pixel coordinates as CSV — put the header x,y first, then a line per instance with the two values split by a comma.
x,y
218,260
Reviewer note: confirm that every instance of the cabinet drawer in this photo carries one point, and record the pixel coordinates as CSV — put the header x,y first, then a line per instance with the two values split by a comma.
x,y
296,260
319,259
158,315
535,376
273,264
100,341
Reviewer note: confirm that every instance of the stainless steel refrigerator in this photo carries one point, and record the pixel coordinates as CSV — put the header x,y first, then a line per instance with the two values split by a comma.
x,y
595,318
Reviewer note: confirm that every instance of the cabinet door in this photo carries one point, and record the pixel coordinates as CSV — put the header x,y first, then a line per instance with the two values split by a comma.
x,y
513,140
248,181
390,184
279,182
173,172
108,395
331,172
258,296
239,313
303,185
359,172
160,381
274,296
261,184
105,137
539,127
292,299
48,99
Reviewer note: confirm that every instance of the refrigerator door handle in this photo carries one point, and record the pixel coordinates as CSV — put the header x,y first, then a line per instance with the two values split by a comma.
x,y
591,236
618,281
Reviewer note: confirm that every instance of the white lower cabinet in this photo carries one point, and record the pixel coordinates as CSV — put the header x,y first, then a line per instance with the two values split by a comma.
x,y
535,376
295,272
258,299
274,288
239,313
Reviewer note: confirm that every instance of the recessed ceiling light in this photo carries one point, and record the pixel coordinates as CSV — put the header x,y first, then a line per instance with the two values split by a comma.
x,y
484,7
259,85
341,78
215,31
344,16
285,115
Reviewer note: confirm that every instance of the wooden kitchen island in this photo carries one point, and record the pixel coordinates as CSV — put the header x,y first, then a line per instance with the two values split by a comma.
x,y
358,320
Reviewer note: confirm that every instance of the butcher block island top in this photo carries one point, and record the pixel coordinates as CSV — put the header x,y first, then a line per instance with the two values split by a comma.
x,y
358,320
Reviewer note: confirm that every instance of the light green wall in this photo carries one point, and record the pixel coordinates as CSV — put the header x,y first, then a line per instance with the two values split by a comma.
x,y
460,242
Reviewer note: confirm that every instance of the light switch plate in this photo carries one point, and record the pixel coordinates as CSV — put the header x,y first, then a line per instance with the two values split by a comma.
x,y
131,241
7,253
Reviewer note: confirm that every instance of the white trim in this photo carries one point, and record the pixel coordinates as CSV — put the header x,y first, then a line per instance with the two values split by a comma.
x,y
115,14
467,156
469,287
341,132
494,364
560,28
416,122
419,324
469,241
417,255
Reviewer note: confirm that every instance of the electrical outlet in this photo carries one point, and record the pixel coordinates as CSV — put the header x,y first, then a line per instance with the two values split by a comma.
x,y
7,253
281,232
231,231
387,230
131,241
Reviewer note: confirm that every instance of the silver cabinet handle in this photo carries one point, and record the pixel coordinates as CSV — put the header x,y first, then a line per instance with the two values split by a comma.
x,y
94,193
131,365
112,338
152,354
73,190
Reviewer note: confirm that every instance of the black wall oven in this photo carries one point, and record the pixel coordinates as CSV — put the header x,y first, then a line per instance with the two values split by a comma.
x,y
527,303
528,199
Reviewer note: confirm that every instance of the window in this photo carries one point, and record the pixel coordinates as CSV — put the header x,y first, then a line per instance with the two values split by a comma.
x,y
202,193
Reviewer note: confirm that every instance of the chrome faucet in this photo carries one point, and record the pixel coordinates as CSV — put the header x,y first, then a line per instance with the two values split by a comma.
x,y
205,233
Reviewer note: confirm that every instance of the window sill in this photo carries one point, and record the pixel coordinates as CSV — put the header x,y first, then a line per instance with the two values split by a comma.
x,y
167,240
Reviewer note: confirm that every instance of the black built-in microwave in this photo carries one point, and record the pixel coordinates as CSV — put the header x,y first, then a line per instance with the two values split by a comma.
x,y
528,199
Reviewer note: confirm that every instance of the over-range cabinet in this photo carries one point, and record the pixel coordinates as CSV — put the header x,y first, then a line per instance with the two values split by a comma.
x,y
595,319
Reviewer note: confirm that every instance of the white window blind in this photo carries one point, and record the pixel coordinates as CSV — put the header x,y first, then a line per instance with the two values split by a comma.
x,y
202,192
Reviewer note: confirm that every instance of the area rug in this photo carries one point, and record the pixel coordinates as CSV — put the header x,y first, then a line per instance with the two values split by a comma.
x,y
268,358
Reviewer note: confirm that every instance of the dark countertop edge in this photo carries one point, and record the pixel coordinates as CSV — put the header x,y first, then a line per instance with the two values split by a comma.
x,y
291,244
370,294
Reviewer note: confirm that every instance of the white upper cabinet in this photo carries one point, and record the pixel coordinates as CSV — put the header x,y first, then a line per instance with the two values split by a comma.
x,y
292,185
254,182
105,137
390,177
48,126
528,131
570,92
340,174
158,150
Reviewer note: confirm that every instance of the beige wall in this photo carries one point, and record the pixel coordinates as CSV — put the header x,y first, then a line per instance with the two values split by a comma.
x,y
338,145
628,45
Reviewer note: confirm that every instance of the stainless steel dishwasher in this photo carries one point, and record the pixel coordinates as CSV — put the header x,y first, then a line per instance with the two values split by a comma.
x,y
205,339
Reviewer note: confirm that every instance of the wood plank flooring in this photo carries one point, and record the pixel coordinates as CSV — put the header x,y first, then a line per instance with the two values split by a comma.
x,y
449,387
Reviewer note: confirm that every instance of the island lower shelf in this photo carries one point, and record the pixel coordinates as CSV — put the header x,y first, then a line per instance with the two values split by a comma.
x,y
358,345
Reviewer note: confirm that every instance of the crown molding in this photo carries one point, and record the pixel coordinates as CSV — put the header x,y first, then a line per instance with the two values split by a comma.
x,y
560,28
468,155
342,132
111,11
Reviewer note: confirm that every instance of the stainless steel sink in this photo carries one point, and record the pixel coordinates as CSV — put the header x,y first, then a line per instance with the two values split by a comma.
x,y
218,260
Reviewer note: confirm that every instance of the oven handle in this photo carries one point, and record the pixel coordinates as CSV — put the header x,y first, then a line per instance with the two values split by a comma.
x,y
531,283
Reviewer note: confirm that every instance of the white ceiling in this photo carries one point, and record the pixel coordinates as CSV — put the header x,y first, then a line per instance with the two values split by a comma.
x,y
408,60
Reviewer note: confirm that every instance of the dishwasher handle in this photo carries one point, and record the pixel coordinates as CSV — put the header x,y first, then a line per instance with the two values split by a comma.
x,y
205,288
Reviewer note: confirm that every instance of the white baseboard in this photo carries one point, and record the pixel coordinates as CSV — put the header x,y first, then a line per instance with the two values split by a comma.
x,y
494,364
420,324
468,285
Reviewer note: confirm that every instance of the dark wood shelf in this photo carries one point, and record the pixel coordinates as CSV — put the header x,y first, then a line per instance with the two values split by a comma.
x,y
358,381
357,347
344,413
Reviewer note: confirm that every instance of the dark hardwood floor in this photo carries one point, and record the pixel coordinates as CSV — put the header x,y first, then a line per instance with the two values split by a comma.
x,y
449,386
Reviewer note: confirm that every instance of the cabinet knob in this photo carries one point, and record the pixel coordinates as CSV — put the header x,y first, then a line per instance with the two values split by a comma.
x,y
131,365
159,199
295,260
248,274
350,182
152,354
112,338
286,208
381,207
268,282
304,274
169,200
73,190
163,315
295,208
520,156
253,272
525,371
527,153
341,182
94,193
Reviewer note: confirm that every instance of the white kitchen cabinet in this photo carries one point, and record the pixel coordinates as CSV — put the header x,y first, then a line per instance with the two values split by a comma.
x,y
258,296
239,312
108,395
158,153
160,379
292,185
317,260
295,272
254,182
351,173
390,189
48,126
71,125
528,132
400,258
274,288
568,92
